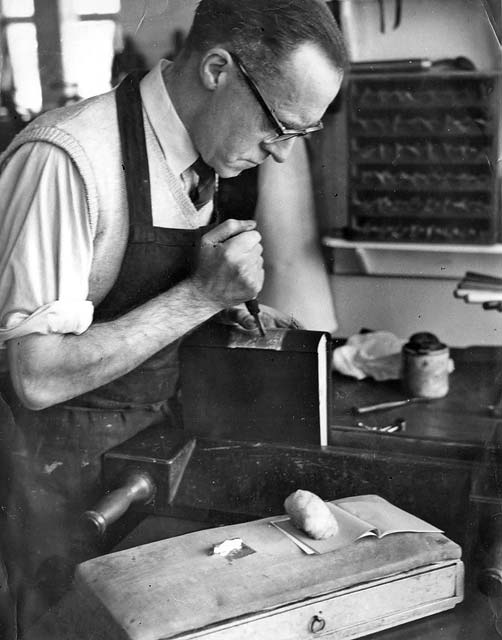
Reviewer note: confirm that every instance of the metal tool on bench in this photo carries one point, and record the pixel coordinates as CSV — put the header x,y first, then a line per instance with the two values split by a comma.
x,y
384,406
399,424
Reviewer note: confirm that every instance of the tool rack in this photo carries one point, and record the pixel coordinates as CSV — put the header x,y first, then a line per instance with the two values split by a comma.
x,y
423,151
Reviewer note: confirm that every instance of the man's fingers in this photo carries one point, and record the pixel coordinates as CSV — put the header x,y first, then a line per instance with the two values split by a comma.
x,y
239,316
230,262
243,243
227,230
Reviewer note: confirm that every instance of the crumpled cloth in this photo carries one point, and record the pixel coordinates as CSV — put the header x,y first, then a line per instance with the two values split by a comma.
x,y
376,355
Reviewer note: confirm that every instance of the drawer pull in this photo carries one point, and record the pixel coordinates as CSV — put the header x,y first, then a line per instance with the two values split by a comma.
x,y
317,624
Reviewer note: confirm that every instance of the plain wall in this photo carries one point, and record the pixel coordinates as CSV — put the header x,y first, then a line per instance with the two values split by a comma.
x,y
154,22
407,305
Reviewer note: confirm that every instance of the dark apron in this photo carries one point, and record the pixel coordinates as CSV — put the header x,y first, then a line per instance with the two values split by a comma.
x,y
54,456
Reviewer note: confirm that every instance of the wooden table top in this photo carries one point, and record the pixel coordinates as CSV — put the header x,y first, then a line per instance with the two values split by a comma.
x,y
459,424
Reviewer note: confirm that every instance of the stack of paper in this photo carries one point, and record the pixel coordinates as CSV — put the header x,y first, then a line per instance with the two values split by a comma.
x,y
478,288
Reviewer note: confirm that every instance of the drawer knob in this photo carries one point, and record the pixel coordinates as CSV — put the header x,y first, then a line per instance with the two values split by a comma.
x,y
317,624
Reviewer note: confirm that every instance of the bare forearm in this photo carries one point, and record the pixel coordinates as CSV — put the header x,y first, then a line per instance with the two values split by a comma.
x,y
48,369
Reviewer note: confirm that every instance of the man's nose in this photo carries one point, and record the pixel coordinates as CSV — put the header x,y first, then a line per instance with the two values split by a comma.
x,y
280,150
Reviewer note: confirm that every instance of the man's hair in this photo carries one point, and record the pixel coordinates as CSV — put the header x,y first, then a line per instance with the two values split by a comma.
x,y
263,33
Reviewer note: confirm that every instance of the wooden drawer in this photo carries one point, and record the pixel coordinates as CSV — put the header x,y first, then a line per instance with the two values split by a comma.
x,y
355,612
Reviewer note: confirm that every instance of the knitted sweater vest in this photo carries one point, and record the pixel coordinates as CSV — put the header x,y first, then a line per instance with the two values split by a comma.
x,y
88,133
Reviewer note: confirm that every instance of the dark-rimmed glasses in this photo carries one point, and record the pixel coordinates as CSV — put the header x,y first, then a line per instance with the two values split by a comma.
x,y
281,132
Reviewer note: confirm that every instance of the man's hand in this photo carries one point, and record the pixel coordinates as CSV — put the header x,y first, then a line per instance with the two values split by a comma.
x,y
271,318
230,264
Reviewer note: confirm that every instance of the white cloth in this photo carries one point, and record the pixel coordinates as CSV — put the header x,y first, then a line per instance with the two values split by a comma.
x,y
376,354
46,245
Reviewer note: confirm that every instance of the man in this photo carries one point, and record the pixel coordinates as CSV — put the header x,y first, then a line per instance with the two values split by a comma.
x,y
106,262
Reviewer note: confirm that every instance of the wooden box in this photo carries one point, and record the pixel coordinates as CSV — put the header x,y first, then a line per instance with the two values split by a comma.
x,y
176,588
240,386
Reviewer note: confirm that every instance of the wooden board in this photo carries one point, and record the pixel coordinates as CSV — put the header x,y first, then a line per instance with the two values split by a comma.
x,y
175,588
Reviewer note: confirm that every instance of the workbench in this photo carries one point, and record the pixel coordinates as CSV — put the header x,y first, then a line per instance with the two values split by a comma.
x,y
429,469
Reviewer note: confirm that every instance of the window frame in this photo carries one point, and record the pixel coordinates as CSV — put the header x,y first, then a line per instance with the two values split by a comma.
x,y
48,19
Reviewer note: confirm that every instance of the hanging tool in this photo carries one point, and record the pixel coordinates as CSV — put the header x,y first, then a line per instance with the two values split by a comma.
x,y
398,13
381,8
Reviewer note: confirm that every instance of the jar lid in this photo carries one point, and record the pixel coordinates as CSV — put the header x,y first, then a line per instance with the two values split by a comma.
x,y
424,342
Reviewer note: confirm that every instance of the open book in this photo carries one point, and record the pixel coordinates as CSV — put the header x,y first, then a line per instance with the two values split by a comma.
x,y
358,517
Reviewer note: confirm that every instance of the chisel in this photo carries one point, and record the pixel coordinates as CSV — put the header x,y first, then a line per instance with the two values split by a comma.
x,y
254,309
384,406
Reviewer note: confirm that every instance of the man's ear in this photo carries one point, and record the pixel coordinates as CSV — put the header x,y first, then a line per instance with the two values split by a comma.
x,y
214,68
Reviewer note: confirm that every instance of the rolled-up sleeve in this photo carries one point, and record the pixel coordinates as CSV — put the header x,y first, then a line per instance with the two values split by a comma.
x,y
45,245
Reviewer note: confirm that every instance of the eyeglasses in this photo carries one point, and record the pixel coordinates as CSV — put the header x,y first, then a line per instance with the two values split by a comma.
x,y
281,132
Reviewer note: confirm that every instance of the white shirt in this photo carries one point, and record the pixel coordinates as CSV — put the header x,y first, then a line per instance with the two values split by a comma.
x,y
45,238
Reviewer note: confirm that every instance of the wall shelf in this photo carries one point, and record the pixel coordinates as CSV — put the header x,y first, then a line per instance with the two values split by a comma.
x,y
402,144
415,260
340,243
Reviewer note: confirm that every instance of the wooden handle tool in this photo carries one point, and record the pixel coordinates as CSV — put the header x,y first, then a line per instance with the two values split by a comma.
x,y
254,309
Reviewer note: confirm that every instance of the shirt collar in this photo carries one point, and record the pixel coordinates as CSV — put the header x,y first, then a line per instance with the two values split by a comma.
x,y
171,133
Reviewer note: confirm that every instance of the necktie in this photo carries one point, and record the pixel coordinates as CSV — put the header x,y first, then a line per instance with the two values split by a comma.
x,y
202,189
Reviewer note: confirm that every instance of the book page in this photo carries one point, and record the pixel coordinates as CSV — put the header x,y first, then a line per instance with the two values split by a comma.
x,y
284,525
357,517
350,528
384,516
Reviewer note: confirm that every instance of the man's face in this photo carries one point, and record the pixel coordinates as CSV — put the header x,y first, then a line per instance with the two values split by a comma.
x,y
232,134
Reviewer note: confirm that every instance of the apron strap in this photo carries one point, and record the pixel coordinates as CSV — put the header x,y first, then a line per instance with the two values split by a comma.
x,y
134,154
